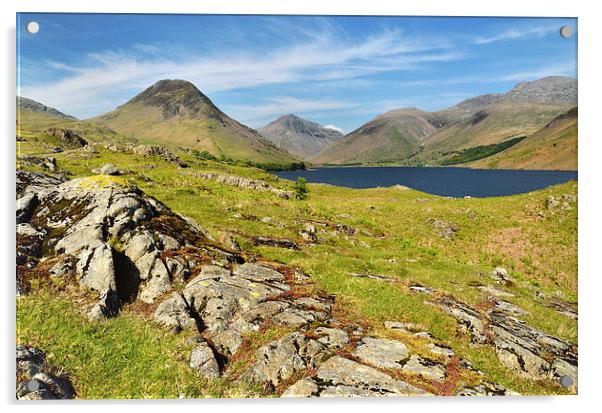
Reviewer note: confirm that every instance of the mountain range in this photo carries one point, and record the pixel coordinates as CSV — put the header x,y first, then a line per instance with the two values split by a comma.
x,y
415,137
175,113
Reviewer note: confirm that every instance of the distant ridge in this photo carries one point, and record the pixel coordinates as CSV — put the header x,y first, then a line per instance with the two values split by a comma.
x,y
37,107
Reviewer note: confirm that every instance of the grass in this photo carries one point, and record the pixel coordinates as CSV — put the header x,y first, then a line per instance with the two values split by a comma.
x,y
124,357
394,237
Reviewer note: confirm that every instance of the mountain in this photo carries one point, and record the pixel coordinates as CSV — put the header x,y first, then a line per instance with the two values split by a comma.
x,y
299,136
389,137
30,105
495,123
175,112
415,137
554,146
551,89
36,121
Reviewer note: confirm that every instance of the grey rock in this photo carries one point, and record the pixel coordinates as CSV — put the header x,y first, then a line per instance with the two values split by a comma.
x,y
305,387
259,273
417,288
107,169
382,353
25,207
401,326
444,229
497,292
174,312
60,387
63,267
509,307
344,377
333,338
30,360
486,389
500,275
469,318
202,360
440,349
279,360
245,183
425,368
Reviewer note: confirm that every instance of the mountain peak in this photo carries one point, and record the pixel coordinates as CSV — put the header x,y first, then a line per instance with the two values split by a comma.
x,y
299,136
177,97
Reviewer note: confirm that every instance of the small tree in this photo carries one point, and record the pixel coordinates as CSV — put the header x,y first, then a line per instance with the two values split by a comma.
x,y
301,190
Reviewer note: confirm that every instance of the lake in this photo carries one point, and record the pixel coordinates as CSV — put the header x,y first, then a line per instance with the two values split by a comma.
x,y
455,182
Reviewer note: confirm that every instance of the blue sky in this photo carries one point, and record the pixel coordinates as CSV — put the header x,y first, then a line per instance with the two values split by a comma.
x,y
339,71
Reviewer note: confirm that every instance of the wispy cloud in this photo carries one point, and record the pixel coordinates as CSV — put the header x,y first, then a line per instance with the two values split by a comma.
x,y
115,74
518,33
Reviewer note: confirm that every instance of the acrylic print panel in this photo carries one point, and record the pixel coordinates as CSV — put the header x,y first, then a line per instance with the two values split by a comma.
x,y
259,206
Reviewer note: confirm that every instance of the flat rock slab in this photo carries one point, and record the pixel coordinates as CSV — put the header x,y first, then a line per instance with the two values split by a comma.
x,y
382,353
425,368
344,377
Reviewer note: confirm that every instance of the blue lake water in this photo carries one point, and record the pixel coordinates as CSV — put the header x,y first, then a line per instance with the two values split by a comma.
x,y
455,182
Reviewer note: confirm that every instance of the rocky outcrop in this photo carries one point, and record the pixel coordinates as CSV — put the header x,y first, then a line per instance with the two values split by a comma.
x,y
443,229
118,238
67,137
36,380
148,150
522,348
45,162
341,377
245,183
563,202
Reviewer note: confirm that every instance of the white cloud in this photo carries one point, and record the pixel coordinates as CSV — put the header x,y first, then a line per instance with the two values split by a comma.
x,y
335,128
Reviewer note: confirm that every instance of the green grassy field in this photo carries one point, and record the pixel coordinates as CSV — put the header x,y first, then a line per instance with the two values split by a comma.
x,y
130,357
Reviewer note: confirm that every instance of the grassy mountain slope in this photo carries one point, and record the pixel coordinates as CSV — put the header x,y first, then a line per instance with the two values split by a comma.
x,y
176,113
390,137
495,123
35,119
552,147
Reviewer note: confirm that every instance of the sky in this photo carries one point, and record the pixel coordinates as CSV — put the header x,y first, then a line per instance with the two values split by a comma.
x,y
335,70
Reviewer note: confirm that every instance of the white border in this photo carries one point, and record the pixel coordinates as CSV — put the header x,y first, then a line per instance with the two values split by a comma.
x,y
590,199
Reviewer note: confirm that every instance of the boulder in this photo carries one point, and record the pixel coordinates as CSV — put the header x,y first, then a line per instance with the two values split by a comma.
x,y
500,275
202,360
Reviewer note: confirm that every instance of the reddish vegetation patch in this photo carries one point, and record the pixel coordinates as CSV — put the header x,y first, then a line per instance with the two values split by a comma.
x,y
510,242
448,387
